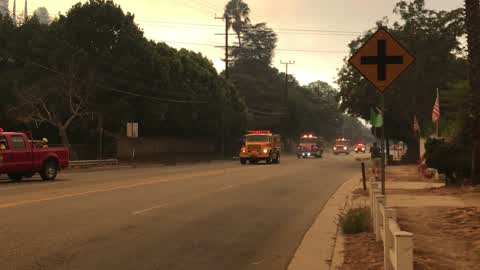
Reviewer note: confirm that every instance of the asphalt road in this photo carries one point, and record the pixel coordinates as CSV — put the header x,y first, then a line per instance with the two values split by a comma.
x,y
207,216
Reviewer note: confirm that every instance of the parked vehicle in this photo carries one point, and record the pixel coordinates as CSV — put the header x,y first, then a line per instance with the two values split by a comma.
x,y
21,157
260,145
310,146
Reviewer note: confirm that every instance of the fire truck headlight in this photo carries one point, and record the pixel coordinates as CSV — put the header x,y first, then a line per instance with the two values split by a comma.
x,y
344,148
334,148
265,150
244,150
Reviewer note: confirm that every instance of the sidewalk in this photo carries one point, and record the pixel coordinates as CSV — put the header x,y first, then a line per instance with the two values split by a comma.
x,y
318,245
445,223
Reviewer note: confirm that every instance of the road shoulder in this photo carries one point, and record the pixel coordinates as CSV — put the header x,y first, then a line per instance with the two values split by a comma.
x,y
318,245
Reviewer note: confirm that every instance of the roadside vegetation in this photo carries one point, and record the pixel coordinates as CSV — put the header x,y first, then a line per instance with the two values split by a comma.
x,y
92,70
355,220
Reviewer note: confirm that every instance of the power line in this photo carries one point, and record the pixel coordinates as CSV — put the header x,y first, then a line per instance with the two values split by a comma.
x,y
122,91
265,113
221,46
277,29
151,97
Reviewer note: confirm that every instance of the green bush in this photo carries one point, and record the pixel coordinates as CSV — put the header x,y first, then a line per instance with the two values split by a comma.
x,y
354,220
449,158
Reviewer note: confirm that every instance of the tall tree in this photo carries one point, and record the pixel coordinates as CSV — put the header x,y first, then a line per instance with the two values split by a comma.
x,y
414,92
472,13
42,15
259,43
237,14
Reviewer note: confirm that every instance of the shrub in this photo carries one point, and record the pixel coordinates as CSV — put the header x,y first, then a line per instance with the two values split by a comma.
x,y
448,158
354,220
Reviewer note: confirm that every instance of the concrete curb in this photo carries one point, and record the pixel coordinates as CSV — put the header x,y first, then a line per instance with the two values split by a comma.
x,y
318,248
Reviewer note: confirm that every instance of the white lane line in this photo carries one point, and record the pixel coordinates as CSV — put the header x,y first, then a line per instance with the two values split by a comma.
x,y
222,189
150,209
225,188
257,262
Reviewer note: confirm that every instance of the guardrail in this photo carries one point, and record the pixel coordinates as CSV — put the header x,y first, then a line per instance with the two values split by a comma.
x,y
92,163
398,244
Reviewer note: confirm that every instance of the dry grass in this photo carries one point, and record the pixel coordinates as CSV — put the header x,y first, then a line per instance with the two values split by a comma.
x,y
362,252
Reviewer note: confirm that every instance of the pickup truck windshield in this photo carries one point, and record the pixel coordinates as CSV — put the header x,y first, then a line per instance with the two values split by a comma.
x,y
257,138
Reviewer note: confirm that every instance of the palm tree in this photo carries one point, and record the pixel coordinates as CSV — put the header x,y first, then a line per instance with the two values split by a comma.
x,y
237,15
472,13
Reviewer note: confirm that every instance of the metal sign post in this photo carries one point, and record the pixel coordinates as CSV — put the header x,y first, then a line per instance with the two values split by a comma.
x,y
132,132
381,60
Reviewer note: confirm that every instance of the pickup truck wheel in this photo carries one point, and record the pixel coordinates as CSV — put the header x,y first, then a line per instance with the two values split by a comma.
x,y
49,171
15,177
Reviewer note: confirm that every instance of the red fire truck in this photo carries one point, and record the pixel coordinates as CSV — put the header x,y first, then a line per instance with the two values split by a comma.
x,y
310,146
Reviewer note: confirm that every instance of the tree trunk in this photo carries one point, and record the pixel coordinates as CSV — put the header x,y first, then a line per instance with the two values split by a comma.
x,y
387,143
66,142
475,162
472,11
239,35
412,151
100,137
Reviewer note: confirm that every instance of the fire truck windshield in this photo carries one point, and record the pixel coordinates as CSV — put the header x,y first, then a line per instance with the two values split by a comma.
x,y
257,138
308,140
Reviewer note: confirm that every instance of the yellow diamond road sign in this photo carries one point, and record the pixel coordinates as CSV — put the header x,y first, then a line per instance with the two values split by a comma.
x,y
381,60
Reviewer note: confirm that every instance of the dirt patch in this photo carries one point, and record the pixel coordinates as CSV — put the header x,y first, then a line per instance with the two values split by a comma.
x,y
435,191
362,252
406,173
446,238
360,192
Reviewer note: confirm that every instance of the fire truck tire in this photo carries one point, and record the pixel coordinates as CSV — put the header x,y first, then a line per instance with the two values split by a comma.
x,y
269,159
276,160
243,161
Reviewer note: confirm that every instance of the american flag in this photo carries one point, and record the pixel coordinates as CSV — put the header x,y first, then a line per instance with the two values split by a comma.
x,y
436,109
416,126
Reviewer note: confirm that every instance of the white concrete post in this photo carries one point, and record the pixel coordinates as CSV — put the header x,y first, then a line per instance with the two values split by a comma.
x,y
389,239
404,251
373,189
374,208
378,216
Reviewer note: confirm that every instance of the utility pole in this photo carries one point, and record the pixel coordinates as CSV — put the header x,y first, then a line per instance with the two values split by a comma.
x,y
14,13
26,11
227,45
285,94
227,77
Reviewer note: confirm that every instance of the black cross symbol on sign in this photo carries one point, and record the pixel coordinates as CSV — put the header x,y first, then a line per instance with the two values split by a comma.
x,y
381,60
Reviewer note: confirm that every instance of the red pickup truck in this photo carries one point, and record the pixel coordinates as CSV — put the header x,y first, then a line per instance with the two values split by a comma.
x,y
19,157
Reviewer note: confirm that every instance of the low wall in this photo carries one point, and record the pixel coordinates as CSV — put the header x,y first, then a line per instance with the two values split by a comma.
x,y
165,148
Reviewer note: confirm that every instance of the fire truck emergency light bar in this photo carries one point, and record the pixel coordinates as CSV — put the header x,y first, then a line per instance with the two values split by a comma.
x,y
259,132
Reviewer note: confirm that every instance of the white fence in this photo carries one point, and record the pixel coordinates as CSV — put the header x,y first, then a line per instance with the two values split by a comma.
x,y
397,244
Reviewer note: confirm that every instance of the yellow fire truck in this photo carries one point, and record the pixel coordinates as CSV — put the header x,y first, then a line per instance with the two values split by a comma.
x,y
260,145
